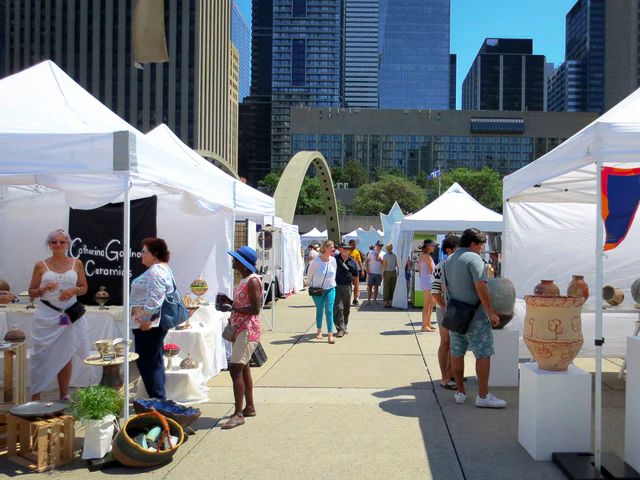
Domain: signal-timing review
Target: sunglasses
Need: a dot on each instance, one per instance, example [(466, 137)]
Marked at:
[(144, 250), (57, 242)]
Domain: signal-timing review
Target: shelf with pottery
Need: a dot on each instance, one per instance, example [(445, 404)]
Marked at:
[(110, 361)]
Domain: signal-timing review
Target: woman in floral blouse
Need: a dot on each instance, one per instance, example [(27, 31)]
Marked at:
[(149, 291), (245, 311)]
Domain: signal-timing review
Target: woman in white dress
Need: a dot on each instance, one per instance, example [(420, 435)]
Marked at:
[(58, 279)]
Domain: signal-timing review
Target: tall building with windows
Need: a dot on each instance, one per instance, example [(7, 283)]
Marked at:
[(453, 65), (565, 92), (241, 38), (360, 75), (91, 41), (414, 54), (306, 64), (505, 76)]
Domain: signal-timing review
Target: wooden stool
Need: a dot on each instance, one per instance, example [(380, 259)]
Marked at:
[(45, 444), (15, 365)]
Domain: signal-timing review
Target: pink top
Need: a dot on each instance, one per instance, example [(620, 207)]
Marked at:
[(242, 320)]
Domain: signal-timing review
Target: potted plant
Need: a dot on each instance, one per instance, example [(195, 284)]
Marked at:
[(97, 407)]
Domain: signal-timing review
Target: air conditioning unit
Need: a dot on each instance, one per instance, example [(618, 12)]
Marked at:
[(339, 185)]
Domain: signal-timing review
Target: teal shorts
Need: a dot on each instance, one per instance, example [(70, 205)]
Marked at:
[(478, 339)]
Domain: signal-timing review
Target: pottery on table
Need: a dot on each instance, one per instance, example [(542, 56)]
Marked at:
[(118, 346), (4, 286), (612, 295), (578, 287), (102, 346), (170, 350), (553, 330), (188, 363), (101, 297), (15, 335), (199, 287), (635, 292), (503, 299), (547, 288)]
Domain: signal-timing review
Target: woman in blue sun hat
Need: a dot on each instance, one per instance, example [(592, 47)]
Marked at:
[(245, 316)]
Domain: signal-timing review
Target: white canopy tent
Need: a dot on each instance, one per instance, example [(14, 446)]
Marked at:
[(62, 148), (313, 236), (553, 224), (352, 235), (454, 211)]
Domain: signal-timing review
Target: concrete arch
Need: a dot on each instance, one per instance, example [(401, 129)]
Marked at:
[(219, 162), (288, 190)]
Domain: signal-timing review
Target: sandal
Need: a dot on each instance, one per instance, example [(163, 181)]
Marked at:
[(319, 336), (449, 385), (245, 413), (332, 341), (429, 330), (231, 423)]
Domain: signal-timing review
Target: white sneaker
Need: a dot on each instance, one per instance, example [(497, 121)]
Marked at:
[(490, 402), (460, 397)]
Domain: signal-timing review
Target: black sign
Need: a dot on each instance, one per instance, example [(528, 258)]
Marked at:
[(108, 357), (97, 240)]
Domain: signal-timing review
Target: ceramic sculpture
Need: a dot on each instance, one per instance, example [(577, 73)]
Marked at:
[(635, 292), (503, 299), (612, 295), (546, 288), (553, 330), (578, 287)]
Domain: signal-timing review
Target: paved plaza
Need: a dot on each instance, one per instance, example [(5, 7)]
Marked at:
[(368, 407)]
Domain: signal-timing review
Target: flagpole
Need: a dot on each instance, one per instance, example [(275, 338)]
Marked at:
[(439, 184)]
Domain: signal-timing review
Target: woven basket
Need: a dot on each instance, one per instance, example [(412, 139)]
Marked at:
[(129, 453)]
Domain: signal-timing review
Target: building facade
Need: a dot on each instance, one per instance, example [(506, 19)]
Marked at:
[(419, 140), (361, 34), (234, 74), (565, 88), (91, 41), (306, 64), (414, 54), (453, 76), (241, 39), (505, 76)]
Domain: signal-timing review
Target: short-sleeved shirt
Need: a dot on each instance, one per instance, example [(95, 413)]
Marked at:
[(356, 255), (375, 266), (463, 268)]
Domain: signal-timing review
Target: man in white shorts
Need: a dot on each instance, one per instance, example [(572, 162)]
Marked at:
[(374, 269)]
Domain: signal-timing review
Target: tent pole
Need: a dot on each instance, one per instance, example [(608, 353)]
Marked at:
[(598, 333), (125, 290), (273, 273)]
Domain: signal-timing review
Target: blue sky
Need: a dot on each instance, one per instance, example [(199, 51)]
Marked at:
[(474, 20)]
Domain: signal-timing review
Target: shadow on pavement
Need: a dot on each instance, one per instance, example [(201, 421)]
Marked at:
[(398, 332)]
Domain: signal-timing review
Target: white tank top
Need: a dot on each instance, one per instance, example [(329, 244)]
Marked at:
[(68, 279)]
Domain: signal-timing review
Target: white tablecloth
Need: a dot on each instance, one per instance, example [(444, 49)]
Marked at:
[(182, 386)]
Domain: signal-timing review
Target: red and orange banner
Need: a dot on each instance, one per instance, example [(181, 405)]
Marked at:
[(620, 198)]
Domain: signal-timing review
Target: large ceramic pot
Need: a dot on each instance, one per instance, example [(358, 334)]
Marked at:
[(546, 287), (612, 295), (578, 287), (553, 330), (635, 291), (503, 299)]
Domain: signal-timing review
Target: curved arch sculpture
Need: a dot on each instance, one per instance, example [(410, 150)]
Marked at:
[(288, 190), (219, 162)]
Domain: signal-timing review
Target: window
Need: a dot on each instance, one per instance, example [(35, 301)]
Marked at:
[(298, 50), (299, 8)]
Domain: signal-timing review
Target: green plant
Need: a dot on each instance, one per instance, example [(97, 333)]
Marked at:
[(96, 402)]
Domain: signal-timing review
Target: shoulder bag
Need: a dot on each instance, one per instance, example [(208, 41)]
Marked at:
[(458, 314), (173, 311), (319, 291), (74, 312)]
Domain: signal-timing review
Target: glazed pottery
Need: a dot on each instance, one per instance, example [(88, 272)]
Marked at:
[(635, 291), (170, 350), (15, 335), (547, 288), (578, 287), (553, 330), (503, 299), (118, 346), (188, 363), (101, 297), (612, 295), (102, 346), (199, 287)]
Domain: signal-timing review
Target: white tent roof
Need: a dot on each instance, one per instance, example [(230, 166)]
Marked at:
[(315, 233), (353, 234), (248, 200), (455, 210), (567, 173)]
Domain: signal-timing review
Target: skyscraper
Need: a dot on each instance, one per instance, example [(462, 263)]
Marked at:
[(565, 92), (453, 75), (307, 53), (414, 54), (241, 38), (505, 76), (91, 41), (360, 73)]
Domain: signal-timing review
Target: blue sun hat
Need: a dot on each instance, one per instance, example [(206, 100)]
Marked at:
[(247, 256)]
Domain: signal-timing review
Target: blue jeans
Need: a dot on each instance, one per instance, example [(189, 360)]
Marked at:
[(149, 345), (325, 303)]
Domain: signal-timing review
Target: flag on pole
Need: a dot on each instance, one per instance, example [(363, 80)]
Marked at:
[(435, 174), (620, 197)]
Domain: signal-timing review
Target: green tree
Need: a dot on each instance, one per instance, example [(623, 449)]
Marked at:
[(484, 185), (378, 197), (353, 173), (269, 183), (422, 179)]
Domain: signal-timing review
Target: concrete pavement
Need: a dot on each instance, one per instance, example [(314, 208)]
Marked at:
[(367, 407)]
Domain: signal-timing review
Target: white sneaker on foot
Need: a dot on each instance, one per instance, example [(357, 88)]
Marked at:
[(460, 397), (490, 402)]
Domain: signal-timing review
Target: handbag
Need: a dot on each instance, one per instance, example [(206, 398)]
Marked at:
[(74, 312), (229, 333), (319, 291), (458, 314), (173, 311)]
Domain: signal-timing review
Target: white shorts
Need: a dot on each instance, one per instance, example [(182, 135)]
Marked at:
[(242, 348)]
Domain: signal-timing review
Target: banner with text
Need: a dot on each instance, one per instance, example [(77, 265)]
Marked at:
[(97, 240)]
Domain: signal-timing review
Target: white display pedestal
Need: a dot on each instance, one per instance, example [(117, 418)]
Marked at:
[(555, 411), (632, 407), (504, 364)]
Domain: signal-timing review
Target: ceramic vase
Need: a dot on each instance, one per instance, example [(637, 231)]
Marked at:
[(612, 295), (553, 330), (503, 299), (547, 288), (635, 292), (578, 287)]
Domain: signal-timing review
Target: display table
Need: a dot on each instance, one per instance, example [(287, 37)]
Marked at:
[(555, 411), (182, 385), (111, 376), (504, 364)]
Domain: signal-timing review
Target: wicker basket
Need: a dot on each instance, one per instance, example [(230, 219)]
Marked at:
[(129, 453)]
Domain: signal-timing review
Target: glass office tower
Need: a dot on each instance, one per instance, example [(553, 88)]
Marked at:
[(306, 62), (241, 39), (414, 54)]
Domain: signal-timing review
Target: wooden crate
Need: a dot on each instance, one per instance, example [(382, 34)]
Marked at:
[(47, 443)]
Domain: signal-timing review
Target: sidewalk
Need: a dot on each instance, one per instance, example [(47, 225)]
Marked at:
[(367, 407)]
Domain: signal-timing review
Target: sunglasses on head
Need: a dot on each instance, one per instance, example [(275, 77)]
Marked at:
[(57, 242)]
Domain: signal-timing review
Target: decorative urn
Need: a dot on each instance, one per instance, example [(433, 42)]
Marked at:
[(101, 297), (578, 287), (171, 350), (188, 363), (15, 335), (503, 299), (199, 287), (546, 288)]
